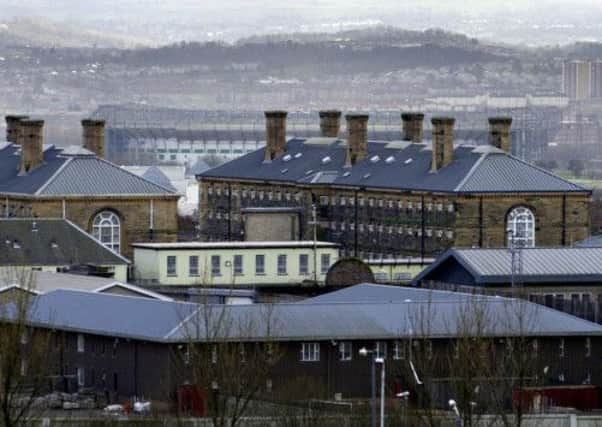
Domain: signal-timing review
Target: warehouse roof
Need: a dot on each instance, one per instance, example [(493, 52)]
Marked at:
[(68, 172), (395, 165), (40, 241), (164, 321), (539, 265)]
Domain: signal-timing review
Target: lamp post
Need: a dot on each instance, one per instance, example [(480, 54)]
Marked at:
[(374, 360)]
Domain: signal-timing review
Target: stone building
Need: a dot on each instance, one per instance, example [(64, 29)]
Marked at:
[(404, 198), (76, 183)]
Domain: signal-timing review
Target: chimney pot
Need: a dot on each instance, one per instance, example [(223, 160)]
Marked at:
[(13, 126), (412, 126), (357, 138), (94, 136), (499, 133), (330, 123), (443, 142), (31, 135), (275, 134)]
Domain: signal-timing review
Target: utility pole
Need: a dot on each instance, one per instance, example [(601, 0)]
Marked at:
[(516, 259), (314, 223)]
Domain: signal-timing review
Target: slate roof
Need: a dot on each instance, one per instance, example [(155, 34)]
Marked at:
[(71, 173), (51, 242), (539, 265), (172, 321), (395, 165), (156, 175)]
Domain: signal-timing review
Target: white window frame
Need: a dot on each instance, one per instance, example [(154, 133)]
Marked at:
[(345, 351), (81, 343), (216, 268), (310, 352), (520, 223), (282, 267), (193, 269), (172, 270), (398, 351), (238, 266), (380, 349), (259, 271), (303, 264), (324, 263), (107, 221)]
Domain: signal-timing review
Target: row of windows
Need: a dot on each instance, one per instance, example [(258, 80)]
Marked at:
[(310, 351), (371, 228), (238, 266), (383, 203), (253, 194)]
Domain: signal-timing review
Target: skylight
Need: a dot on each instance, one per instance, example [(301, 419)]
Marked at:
[(326, 159), (309, 172), (389, 159), (285, 170), (366, 176), (346, 174), (407, 162), (287, 158), (297, 155), (374, 159)]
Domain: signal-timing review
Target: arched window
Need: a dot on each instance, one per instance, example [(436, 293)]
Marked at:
[(107, 229), (521, 227)]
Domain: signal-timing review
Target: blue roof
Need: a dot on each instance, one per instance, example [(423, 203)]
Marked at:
[(64, 174), (172, 321), (395, 165)]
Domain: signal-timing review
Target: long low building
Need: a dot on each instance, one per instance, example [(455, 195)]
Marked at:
[(141, 347), (240, 264)]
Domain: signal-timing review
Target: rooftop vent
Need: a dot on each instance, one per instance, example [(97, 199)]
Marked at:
[(408, 161), (298, 155), (374, 159), (285, 170), (54, 245), (16, 245), (366, 176), (389, 159), (326, 159), (346, 174), (287, 158)]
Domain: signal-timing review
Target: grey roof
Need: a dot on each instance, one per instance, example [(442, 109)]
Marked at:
[(37, 241), (165, 321), (591, 242), (539, 265), (44, 281), (199, 167), (156, 175), (71, 173), (395, 165)]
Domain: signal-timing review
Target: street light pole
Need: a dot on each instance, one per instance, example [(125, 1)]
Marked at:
[(374, 360), (373, 402), (381, 360)]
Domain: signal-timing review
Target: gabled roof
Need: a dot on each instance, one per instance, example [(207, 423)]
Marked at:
[(39, 241), (67, 172), (41, 282), (539, 265), (177, 322), (395, 165), (156, 175)]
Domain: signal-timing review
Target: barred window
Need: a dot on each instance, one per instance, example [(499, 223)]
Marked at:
[(106, 228), (521, 227)]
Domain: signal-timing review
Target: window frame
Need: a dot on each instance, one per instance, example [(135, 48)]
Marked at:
[(324, 266), (303, 264), (107, 219), (81, 343), (172, 270), (238, 264), (520, 225), (310, 351), (193, 270), (281, 265), (345, 351), (260, 271), (216, 265)]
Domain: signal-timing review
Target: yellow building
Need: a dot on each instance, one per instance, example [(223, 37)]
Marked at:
[(244, 264), (401, 270)]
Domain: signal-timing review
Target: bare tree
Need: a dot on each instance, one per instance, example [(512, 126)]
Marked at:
[(26, 355)]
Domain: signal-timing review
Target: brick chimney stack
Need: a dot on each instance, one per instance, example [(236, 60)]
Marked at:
[(443, 142), (357, 138), (275, 127), (499, 133), (412, 126), (13, 126), (31, 137), (330, 123), (94, 136)]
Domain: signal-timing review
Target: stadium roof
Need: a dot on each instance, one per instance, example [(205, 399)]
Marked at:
[(395, 165)]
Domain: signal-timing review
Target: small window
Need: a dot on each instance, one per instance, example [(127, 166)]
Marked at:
[(214, 354), (303, 264), (381, 349), (588, 347), (324, 263), (398, 351), (171, 265), (81, 377), (81, 343), (216, 264), (561, 348), (238, 265), (282, 264), (345, 351), (520, 224), (259, 264), (193, 265), (310, 352)]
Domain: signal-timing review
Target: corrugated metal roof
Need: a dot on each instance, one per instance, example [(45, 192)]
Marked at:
[(156, 175), (26, 241), (65, 173), (474, 169), (546, 265), (163, 321)]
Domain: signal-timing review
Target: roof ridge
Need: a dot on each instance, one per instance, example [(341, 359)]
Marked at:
[(53, 176), (471, 172), (547, 172), (85, 233)]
